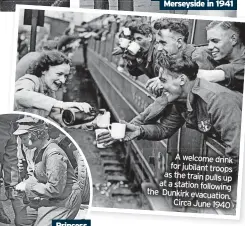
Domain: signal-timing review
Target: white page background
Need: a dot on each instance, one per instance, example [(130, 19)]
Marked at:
[(102, 218)]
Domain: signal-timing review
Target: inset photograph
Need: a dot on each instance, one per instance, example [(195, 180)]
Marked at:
[(9, 5), (44, 174)]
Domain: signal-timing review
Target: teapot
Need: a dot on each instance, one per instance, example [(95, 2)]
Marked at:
[(103, 118)]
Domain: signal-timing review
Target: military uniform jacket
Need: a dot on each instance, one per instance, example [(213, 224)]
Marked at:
[(234, 73), (210, 109), (54, 177), (149, 64)]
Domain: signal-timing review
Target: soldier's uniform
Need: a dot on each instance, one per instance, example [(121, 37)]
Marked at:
[(152, 113), (234, 73), (53, 191), (211, 109)]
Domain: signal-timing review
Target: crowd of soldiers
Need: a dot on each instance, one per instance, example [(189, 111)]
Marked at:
[(197, 86)]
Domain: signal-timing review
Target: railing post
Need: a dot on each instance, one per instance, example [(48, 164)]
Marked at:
[(33, 30)]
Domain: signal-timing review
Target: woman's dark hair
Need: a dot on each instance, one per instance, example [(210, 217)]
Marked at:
[(50, 45), (47, 59), (179, 64)]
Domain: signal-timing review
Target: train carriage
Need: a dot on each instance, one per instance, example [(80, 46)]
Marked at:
[(126, 97)]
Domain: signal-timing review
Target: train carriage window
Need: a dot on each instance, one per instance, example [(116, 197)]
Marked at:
[(200, 34)]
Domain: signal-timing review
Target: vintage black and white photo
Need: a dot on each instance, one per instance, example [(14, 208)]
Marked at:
[(153, 100)]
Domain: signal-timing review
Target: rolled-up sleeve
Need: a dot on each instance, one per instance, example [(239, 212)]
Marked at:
[(140, 119), (56, 171), (27, 95), (170, 122)]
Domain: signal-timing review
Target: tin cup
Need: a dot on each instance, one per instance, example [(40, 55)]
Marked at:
[(103, 119), (124, 42), (126, 31), (133, 48)]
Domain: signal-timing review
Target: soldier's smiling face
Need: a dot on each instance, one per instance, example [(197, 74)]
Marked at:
[(220, 43), (171, 84), (169, 41)]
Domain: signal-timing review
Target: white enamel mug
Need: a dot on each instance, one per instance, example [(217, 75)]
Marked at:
[(117, 130)]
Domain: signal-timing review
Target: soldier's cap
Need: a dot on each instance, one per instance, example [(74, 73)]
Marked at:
[(27, 120), (28, 124), (22, 129)]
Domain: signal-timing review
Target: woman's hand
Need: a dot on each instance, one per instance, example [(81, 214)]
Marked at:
[(82, 106), (21, 186)]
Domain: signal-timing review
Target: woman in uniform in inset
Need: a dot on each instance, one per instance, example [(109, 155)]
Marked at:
[(52, 192)]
